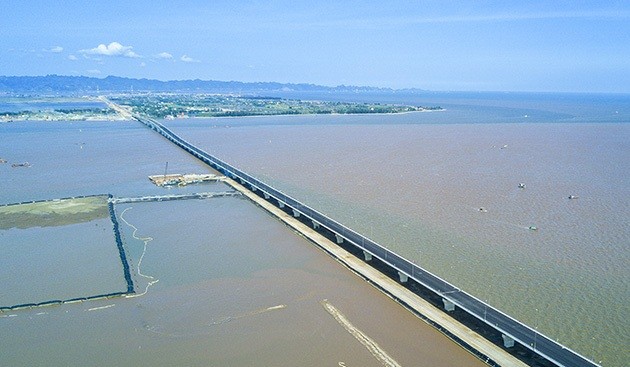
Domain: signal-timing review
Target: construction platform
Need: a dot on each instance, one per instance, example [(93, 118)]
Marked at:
[(177, 179)]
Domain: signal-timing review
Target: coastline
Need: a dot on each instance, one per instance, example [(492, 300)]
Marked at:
[(512, 146), (515, 146), (117, 117)]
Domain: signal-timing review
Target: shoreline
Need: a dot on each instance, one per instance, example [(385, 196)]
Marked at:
[(122, 118)]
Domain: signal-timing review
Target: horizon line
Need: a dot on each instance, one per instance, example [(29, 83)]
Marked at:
[(391, 89)]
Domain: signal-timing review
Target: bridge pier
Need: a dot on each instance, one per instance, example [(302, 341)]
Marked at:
[(254, 188), (266, 195), (403, 277), (367, 256), (556, 351), (315, 225), (448, 305), (508, 342)]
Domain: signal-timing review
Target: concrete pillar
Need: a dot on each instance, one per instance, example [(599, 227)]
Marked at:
[(280, 204), (242, 181), (315, 225), (403, 277), (367, 255), (296, 213), (254, 188), (448, 305), (508, 342), (266, 195), (338, 238)]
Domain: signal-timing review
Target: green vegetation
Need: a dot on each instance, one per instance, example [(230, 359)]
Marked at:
[(61, 114), (204, 105), (175, 105)]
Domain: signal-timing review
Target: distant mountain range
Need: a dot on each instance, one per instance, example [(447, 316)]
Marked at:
[(72, 85)]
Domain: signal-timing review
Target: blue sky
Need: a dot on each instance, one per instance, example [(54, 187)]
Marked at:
[(571, 46)]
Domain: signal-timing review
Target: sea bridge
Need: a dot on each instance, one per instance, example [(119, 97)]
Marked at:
[(511, 330)]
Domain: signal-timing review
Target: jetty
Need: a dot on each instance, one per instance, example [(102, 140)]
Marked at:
[(177, 179), (200, 195)]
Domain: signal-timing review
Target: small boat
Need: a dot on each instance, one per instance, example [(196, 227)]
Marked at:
[(573, 197), (521, 186), (25, 164)]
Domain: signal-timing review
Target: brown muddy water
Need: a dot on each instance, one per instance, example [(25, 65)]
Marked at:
[(219, 282), (447, 196)]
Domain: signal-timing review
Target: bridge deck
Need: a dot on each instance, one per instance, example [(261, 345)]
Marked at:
[(523, 334)]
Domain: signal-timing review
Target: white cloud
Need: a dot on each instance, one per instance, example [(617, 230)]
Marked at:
[(164, 55), (186, 58), (72, 57), (143, 64), (56, 49), (94, 71), (113, 49)]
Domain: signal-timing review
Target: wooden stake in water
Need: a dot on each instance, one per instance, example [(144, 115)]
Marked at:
[(165, 169)]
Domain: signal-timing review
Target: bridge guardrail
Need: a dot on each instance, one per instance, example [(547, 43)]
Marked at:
[(491, 316)]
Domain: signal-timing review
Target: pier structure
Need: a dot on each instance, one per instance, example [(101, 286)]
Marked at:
[(177, 179), (455, 301), (200, 195)]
